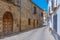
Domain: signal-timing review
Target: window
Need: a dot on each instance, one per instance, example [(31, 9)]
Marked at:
[(52, 4), (49, 9), (41, 14), (19, 2), (34, 23), (37, 22), (8, 0), (29, 22), (35, 11)]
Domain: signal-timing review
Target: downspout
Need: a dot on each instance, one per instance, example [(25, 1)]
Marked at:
[(20, 14)]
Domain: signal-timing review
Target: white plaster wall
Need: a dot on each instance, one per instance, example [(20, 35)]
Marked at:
[(55, 3), (58, 20), (58, 2), (50, 5)]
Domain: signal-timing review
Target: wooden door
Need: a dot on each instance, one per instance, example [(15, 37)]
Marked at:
[(34, 23), (7, 23)]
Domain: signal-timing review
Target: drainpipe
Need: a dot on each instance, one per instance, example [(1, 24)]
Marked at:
[(20, 14)]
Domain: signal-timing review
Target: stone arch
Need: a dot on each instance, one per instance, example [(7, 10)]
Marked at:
[(7, 23)]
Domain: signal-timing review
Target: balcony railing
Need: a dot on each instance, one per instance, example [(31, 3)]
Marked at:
[(54, 8)]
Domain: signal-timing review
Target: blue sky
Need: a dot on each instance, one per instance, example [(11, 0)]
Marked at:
[(42, 4)]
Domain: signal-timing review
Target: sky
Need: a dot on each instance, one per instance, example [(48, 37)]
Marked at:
[(42, 4)]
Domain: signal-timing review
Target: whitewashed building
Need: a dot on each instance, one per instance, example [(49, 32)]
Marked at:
[(56, 17), (52, 6), (54, 20)]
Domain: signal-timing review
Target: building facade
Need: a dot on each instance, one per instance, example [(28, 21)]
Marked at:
[(19, 15), (55, 17), (52, 6), (45, 17)]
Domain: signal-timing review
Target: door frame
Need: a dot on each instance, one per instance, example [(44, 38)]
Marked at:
[(3, 20)]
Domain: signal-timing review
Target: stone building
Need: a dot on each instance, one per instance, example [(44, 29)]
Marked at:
[(19, 15), (45, 15)]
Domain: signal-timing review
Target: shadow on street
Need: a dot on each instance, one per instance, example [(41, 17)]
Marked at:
[(13, 34)]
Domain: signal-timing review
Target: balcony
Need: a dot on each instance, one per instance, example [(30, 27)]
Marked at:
[(54, 8)]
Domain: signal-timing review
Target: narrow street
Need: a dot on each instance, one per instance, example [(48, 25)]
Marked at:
[(36, 34)]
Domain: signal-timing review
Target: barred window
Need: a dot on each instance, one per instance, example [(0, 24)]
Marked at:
[(41, 14), (29, 21), (37, 22), (35, 11)]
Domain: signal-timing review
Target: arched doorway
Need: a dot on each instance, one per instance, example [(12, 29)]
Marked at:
[(7, 23)]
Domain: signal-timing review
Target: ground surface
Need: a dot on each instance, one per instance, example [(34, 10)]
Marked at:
[(36, 34)]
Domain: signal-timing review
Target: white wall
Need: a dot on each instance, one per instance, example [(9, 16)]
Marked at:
[(58, 20), (55, 3), (58, 2), (50, 5)]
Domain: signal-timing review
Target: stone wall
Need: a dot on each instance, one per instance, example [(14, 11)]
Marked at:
[(5, 7), (21, 15)]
